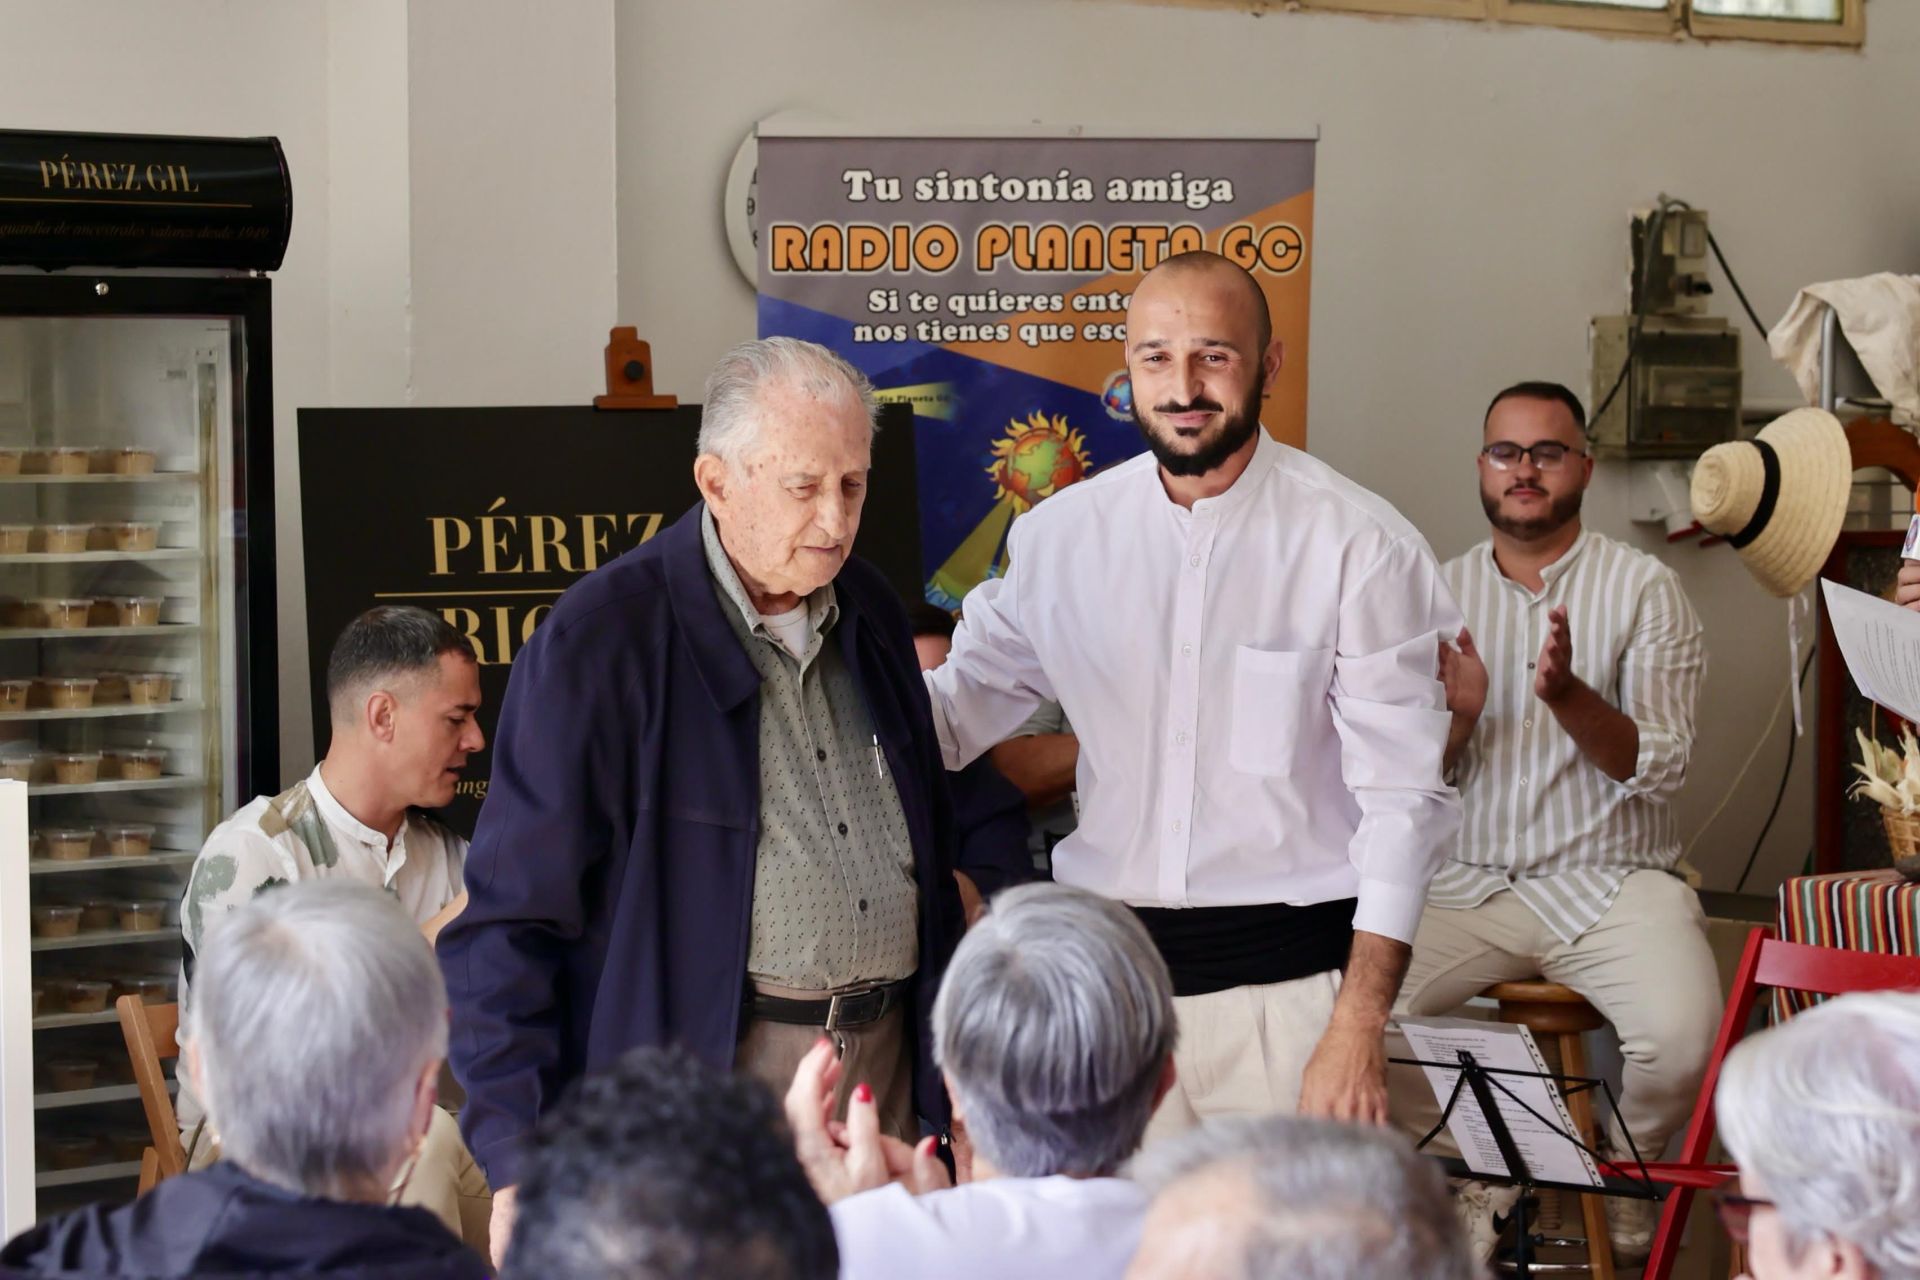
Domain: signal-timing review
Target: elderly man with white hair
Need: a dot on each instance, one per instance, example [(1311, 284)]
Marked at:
[(315, 1036), (1286, 1198), (718, 815), (1055, 1028), (1822, 1114)]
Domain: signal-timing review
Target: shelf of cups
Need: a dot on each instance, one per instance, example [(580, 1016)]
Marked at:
[(101, 713), (152, 477), (55, 1021), (106, 938), (167, 782), (90, 1097), (125, 862), (100, 557), (92, 1173), (96, 633)]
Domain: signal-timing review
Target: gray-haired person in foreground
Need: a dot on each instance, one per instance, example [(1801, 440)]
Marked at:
[(1822, 1114), (315, 1037), (1287, 1198), (1055, 1031)]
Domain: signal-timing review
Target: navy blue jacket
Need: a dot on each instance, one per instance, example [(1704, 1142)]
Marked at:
[(610, 879), (224, 1224)]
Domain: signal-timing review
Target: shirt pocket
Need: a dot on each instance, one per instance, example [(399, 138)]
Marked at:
[(1278, 697)]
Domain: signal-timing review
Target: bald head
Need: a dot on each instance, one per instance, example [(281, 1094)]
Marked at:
[(1204, 269)]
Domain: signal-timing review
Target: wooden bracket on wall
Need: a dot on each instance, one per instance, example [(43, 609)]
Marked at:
[(630, 374)]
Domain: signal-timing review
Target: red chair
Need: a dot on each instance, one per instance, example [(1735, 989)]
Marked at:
[(1767, 962)]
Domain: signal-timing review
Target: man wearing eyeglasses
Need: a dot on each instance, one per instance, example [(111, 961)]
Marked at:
[(1572, 694)]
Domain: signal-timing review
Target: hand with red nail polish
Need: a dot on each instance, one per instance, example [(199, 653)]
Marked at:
[(846, 1158)]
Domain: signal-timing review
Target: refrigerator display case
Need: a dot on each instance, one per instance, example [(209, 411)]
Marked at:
[(137, 668)]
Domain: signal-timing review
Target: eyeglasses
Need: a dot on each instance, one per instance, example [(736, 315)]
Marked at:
[(1736, 1213), (1548, 455)]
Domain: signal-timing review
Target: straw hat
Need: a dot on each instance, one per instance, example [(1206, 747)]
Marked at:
[(1779, 498)]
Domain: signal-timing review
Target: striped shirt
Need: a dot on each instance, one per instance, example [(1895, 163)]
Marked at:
[(1540, 818)]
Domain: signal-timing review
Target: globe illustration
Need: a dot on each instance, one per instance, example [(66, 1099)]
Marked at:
[(1040, 463)]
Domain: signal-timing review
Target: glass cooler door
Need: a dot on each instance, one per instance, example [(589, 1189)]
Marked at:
[(123, 657)]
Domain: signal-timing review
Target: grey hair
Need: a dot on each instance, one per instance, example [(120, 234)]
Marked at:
[(1825, 1110), (1053, 1025), (316, 1008), (1323, 1201), (730, 421)]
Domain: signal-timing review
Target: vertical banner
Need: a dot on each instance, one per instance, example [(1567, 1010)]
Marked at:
[(984, 282)]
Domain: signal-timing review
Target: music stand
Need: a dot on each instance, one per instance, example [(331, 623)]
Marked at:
[(1485, 1085)]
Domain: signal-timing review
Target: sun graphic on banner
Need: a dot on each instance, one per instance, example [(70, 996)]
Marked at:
[(1032, 460), (1036, 459)]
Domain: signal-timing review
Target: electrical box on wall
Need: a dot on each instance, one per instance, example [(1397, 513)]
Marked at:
[(1681, 395), (1666, 376)]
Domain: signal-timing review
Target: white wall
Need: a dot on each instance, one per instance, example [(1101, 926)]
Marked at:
[(1471, 211)]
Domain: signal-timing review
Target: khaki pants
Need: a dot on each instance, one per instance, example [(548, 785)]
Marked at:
[(1242, 1051), (445, 1181), (1644, 965), (880, 1054)]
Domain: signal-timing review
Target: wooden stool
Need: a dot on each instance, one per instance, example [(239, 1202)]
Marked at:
[(1559, 1016)]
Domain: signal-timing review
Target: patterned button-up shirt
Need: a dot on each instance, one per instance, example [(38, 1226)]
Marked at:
[(834, 897), (1539, 817)]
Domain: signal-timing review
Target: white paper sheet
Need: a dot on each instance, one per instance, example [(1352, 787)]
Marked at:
[(1881, 643), (1549, 1155)]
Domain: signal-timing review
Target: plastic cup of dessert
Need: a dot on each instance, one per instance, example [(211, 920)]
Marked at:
[(69, 693), (55, 921), (69, 461), (100, 913), (73, 613), (136, 535), (75, 1152), (137, 611), (67, 844), (64, 539), (87, 996), (25, 767), (12, 461), (150, 686), (15, 694), (74, 768), (128, 839), (129, 1145), (134, 461), (150, 989), (15, 539), (138, 764), (111, 689), (142, 915), (64, 1075)]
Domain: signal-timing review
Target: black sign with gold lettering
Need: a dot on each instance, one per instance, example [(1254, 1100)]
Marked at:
[(132, 200), (486, 515)]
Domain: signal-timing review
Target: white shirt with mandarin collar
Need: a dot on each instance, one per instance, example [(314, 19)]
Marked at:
[(1253, 682)]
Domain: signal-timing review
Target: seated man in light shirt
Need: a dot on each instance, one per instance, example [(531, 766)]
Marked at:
[(1054, 1028), (1573, 700), (403, 688), (1246, 643)]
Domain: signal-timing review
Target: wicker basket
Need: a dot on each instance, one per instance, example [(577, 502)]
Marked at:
[(1903, 838)]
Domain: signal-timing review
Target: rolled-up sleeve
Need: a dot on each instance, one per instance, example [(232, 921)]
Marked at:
[(1389, 708), (1660, 675)]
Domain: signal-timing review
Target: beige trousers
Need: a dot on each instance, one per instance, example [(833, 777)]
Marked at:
[(880, 1054), (1644, 965), (1242, 1051)]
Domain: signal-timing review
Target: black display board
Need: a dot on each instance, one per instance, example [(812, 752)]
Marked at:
[(487, 515)]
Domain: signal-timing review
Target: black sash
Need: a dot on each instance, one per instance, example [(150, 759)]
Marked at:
[(1213, 948)]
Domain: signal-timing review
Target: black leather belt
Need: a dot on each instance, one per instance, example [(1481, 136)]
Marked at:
[(856, 1008)]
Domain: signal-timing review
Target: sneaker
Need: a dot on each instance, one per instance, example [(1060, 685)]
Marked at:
[(1483, 1210), (1630, 1225)]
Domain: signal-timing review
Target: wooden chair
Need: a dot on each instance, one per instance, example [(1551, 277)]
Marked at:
[(1562, 1015), (152, 1033), (1766, 962)]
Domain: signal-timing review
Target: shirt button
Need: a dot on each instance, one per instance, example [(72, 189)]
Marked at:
[(863, 904), (1526, 724), (821, 753), (1523, 782), (1194, 561), (1529, 666), (843, 826), (1177, 824), (1181, 737), (1186, 650)]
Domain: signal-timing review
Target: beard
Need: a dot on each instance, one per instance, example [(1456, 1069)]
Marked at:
[(1230, 436), (1559, 511)]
